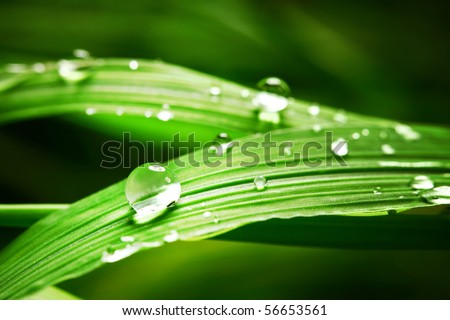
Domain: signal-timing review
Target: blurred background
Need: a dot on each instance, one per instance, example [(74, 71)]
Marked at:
[(374, 57)]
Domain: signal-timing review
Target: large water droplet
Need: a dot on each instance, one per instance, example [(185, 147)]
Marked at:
[(245, 93), (274, 85), (316, 128), (81, 54), (215, 91), (74, 71), (260, 183), (387, 149), (339, 147), (438, 195), (422, 183), (314, 110), (207, 214), (149, 191), (356, 135), (340, 116), (133, 65)]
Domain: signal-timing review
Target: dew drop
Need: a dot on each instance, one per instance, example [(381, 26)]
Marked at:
[(150, 193), (207, 214), (317, 128), (383, 134), (172, 236), (387, 149), (39, 67), (81, 54), (407, 132), (148, 113), (133, 64), (90, 111), (314, 110), (274, 85), (422, 183), (224, 144), (165, 114), (120, 111), (365, 132), (17, 68), (340, 116), (438, 195), (215, 91), (287, 151), (127, 239), (74, 71), (245, 93), (356, 135), (260, 183), (340, 147), (377, 191)]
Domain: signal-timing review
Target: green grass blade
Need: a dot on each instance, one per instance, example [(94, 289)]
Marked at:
[(72, 242)]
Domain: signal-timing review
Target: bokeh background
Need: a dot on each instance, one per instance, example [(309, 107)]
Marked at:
[(387, 59)]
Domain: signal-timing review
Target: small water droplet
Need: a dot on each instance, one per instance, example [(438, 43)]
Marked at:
[(120, 111), (401, 197), (81, 54), (407, 132), (365, 132), (317, 128), (438, 195), (203, 204), (165, 114), (340, 147), (207, 214), (287, 151), (215, 90), (314, 110), (133, 65), (422, 183), (39, 67), (149, 192), (74, 71), (383, 134), (90, 111), (377, 191), (17, 68), (340, 116), (356, 135), (127, 239), (113, 255), (387, 149), (260, 183), (224, 144), (245, 93), (148, 113), (172, 236)]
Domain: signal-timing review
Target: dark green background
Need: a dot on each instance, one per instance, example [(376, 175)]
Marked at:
[(374, 57)]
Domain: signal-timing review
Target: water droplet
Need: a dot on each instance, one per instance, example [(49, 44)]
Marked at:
[(215, 91), (90, 111), (172, 236), (149, 192), (401, 197), (165, 114), (377, 191), (387, 149), (317, 128), (260, 183), (287, 151), (148, 113), (340, 116), (224, 144), (207, 214), (269, 102), (383, 134), (203, 204), (127, 239), (340, 147), (17, 68), (133, 64), (81, 54), (356, 135), (39, 67), (422, 183), (314, 110), (120, 111), (407, 132), (74, 71), (438, 195), (110, 255), (274, 85), (245, 93), (365, 132)]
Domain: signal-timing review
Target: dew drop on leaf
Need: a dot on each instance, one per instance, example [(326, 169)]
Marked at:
[(317, 128), (81, 54), (365, 132), (165, 114), (215, 91), (90, 111), (74, 71), (271, 99), (149, 191), (133, 65), (314, 110), (274, 85), (377, 191), (438, 195), (339, 147), (172, 236), (356, 135), (260, 183), (387, 149), (422, 183), (223, 144), (340, 116)]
